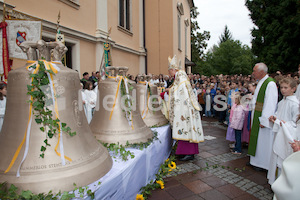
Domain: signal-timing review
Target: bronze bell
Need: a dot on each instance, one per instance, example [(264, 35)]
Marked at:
[(112, 124), (86, 160), (149, 104)]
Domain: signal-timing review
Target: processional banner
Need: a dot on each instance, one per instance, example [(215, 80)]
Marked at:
[(19, 31), (107, 60)]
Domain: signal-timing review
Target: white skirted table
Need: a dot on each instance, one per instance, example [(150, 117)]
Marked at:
[(125, 179)]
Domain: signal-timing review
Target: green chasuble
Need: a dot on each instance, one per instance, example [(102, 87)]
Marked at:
[(257, 113)]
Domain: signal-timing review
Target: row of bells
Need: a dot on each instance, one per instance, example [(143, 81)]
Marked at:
[(90, 160)]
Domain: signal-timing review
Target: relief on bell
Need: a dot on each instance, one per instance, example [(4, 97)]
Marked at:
[(86, 159)]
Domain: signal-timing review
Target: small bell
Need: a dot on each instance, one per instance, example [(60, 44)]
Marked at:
[(148, 101), (118, 120)]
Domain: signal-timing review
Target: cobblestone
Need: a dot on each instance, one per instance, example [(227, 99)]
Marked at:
[(212, 167)]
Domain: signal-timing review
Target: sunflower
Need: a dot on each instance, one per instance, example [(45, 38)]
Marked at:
[(161, 183), (167, 160), (172, 165), (139, 197)]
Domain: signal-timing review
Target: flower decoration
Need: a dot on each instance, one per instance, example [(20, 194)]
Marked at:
[(139, 197), (172, 165), (167, 160), (161, 183)]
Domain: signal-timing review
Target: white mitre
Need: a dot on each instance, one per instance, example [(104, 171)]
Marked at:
[(173, 63)]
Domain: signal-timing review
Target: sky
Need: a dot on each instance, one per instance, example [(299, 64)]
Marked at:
[(215, 14)]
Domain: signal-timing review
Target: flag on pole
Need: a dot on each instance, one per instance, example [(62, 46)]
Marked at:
[(107, 60)]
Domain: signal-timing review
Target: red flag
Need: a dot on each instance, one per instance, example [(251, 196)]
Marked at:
[(5, 54)]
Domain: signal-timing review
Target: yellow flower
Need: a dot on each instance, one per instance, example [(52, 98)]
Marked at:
[(167, 160), (161, 183), (172, 165), (139, 197)]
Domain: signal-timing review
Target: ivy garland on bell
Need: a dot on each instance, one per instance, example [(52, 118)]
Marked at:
[(43, 115), (128, 102), (120, 150)]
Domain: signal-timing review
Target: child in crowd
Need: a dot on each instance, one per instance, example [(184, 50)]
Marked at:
[(237, 116), (201, 101), (230, 134), (287, 113), (90, 98), (3, 91), (194, 89), (208, 101), (248, 107)]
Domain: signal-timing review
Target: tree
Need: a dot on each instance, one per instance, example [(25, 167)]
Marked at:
[(230, 57), (276, 37), (198, 40), (225, 36)]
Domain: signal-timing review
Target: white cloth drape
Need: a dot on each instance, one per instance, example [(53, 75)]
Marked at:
[(287, 186), (125, 179)]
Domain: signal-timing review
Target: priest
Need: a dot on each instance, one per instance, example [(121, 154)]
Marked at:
[(184, 113), (265, 100)]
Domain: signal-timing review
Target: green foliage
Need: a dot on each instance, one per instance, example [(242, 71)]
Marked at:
[(11, 193), (198, 39), (230, 57), (43, 115), (120, 150), (276, 34), (225, 36), (162, 172)]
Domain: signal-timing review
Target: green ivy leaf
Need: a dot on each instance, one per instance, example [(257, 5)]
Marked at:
[(29, 87), (72, 133), (27, 194), (35, 82), (38, 121), (43, 148), (42, 128), (45, 81)]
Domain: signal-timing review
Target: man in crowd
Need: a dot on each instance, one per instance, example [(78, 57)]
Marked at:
[(265, 99), (93, 79), (85, 78)]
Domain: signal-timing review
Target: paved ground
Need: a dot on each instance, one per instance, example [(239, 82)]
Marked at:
[(215, 174)]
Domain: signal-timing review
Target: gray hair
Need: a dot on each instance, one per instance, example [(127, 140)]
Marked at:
[(262, 67)]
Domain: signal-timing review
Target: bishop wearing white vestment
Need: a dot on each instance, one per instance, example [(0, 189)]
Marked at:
[(262, 136), (184, 114)]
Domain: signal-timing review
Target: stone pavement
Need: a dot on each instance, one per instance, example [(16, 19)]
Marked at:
[(215, 173)]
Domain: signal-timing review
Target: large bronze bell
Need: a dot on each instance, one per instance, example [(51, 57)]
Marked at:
[(86, 160), (112, 123), (148, 101)]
